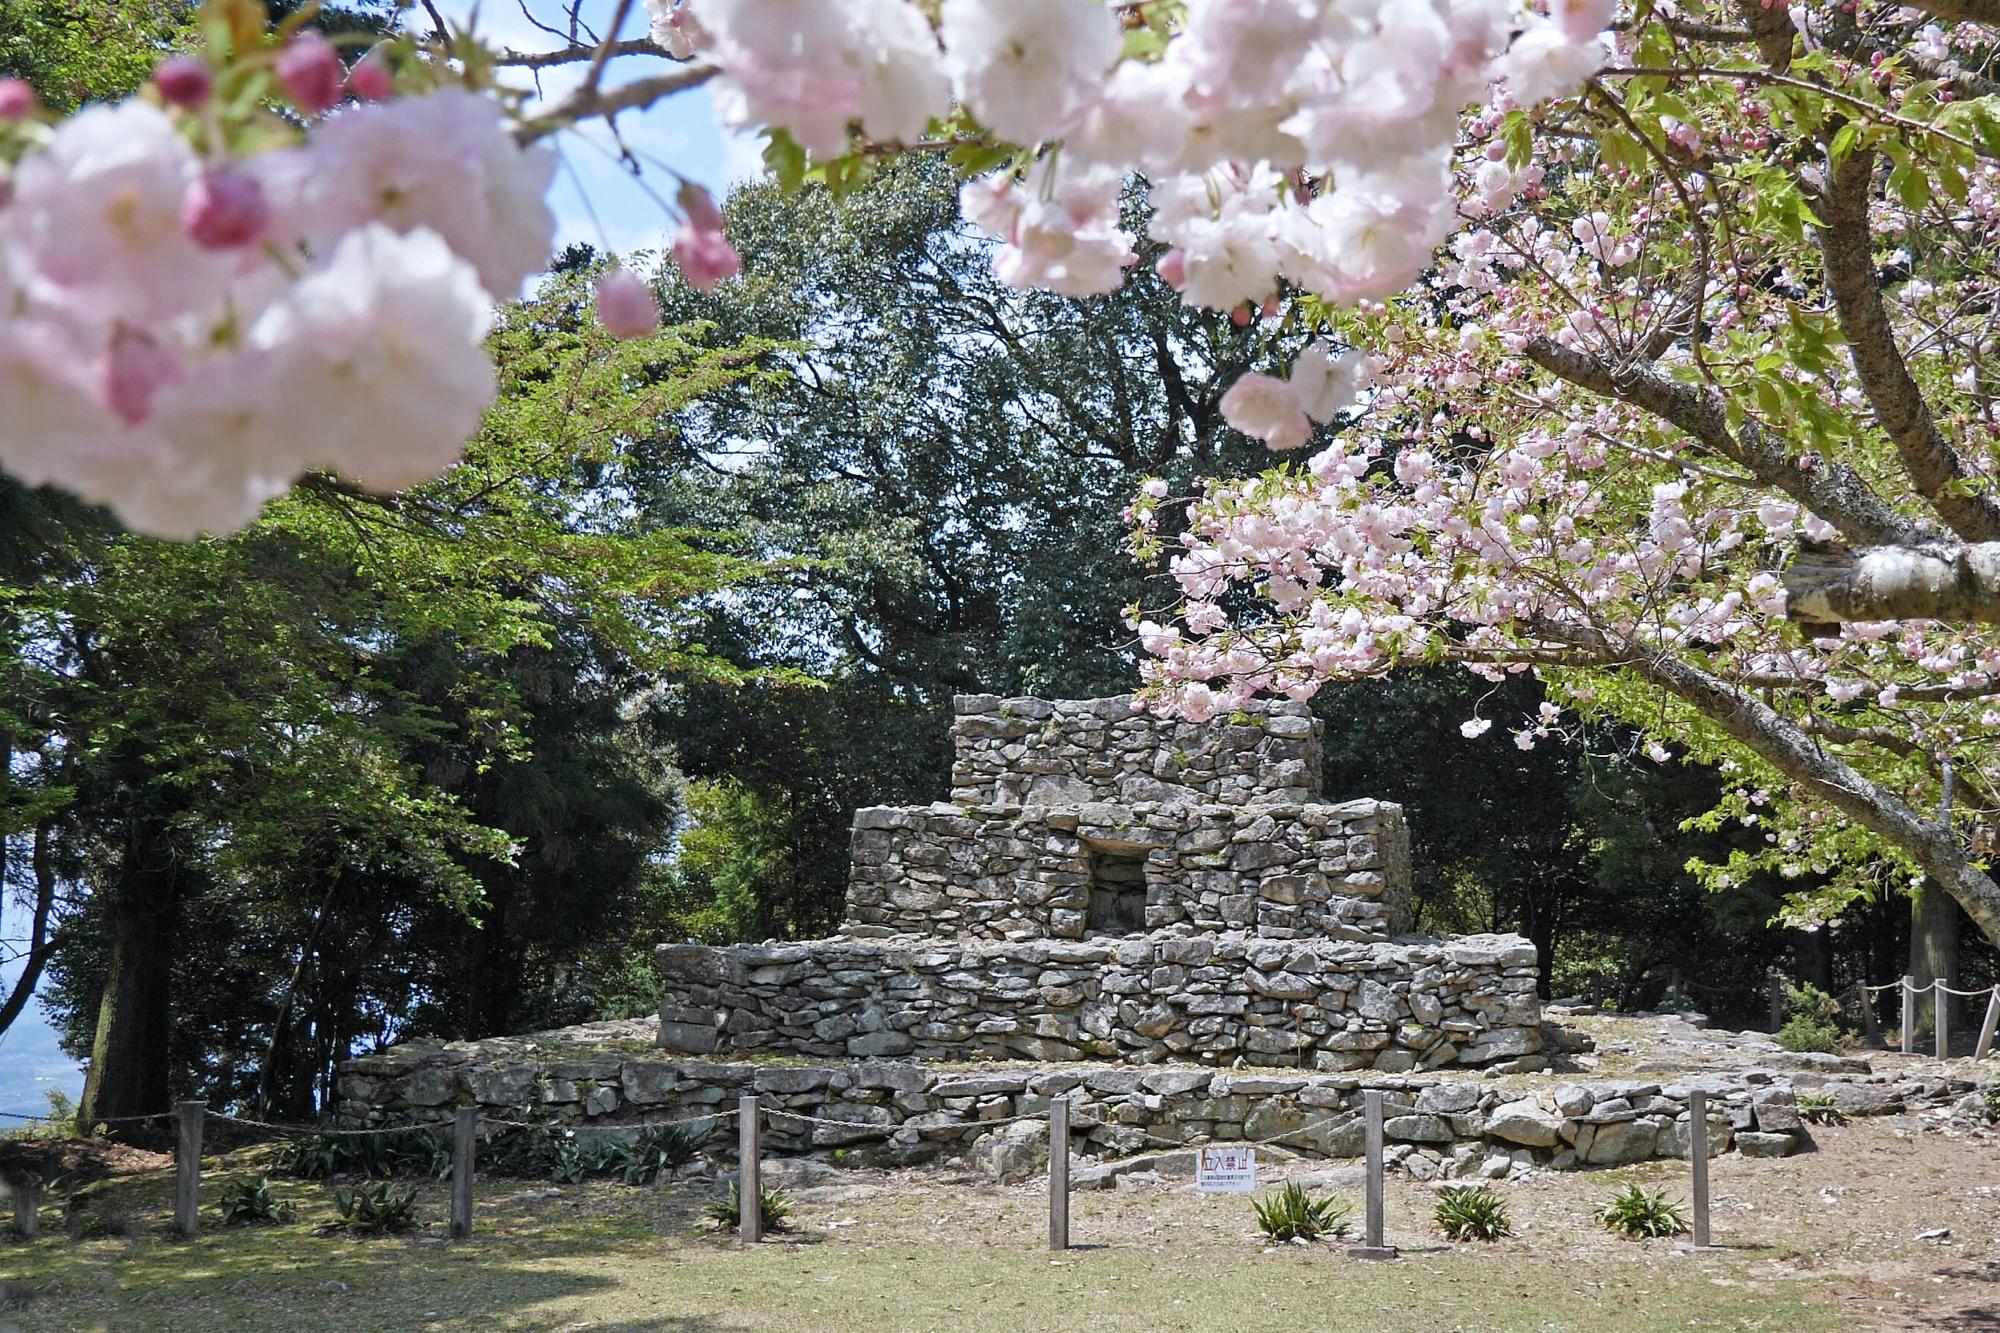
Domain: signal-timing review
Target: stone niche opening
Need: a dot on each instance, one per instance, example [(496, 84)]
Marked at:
[(1117, 892)]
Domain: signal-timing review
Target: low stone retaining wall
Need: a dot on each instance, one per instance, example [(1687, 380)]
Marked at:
[(1004, 872), (1208, 996), (897, 1112)]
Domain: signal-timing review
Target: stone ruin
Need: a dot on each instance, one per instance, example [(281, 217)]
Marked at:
[(1110, 902), (1108, 885)]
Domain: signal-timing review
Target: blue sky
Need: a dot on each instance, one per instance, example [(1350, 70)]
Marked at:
[(595, 198), (596, 201)]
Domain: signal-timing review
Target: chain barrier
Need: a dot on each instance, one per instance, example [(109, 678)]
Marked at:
[(1926, 990), (706, 1117), (1346, 1117), (94, 1120), (870, 1124)]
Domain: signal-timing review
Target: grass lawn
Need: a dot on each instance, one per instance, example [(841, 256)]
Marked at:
[(908, 1252)]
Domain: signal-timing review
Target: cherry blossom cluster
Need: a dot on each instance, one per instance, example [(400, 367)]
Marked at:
[(1471, 504), (1286, 141), (191, 323)]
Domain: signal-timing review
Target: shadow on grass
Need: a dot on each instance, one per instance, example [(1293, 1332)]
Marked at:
[(531, 1250)]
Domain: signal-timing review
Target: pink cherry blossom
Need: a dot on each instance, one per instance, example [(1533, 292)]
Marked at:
[(224, 208), (135, 369), (625, 304), (1027, 67), (706, 257), (1268, 408), (17, 99), (379, 353), (95, 223), (443, 161)]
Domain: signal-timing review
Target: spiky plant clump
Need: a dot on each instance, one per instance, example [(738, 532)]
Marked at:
[(1293, 1214), (377, 1208), (1819, 1108), (1642, 1214), (247, 1203), (1472, 1212), (773, 1206)]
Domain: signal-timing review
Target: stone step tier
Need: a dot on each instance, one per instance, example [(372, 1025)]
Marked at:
[(1215, 997), (1281, 869), (905, 1113)]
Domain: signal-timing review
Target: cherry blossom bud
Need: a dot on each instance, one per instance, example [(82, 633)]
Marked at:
[(17, 99), (310, 69), (699, 206), (1270, 310), (704, 254), (224, 208), (370, 80), (135, 369), (1172, 268), (626, 306), (1240, 317), (184, 82)]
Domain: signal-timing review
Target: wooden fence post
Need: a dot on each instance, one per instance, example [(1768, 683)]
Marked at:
[(1986, 1028), (27, 1208), (1698, 1159), (1059, 1173), (464, 1149), (1941, 1016), (1871, 1029), (749, 1176), (1909, 1014), (1372, 1245), (187, 1169)]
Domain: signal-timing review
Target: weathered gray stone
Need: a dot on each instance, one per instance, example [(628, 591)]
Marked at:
[(1752, 1143), (1618, 1143), (1525, 1123), (1013, 1152), (1417, 1129)]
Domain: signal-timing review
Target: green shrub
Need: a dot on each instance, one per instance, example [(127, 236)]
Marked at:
[(773, 1206), (1990, 1094), (1642, 1213), (1472, 1212), (1293, 1214), (1813, 1020), (377, 1208), (1819, 1108), (412, 1152), (246, 1203), (658, 1153)]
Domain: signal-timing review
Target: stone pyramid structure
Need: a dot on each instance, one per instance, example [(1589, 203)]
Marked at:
[(1105, 884)]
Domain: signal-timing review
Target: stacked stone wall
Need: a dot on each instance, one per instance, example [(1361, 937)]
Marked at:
[(903, 1113), (1068, 751), (1281, 870), (1209, 996)]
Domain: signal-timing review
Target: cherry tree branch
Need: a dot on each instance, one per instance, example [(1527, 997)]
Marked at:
[(1834, 491), (609, 102), (1927, 582), (1846, 249), (577, 53), (1961, 11), (1788, 748)]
